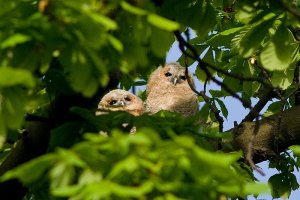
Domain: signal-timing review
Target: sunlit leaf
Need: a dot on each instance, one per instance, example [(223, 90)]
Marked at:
[(116, 43), (295, 149), (10, 77), (24, 171), (132, 9), (278, 55), (15, 39), (103, 20), (253, 38), (223, 108), (163, 23)]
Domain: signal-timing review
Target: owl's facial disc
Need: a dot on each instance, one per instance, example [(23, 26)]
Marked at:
[(116, 103), (120, 102)]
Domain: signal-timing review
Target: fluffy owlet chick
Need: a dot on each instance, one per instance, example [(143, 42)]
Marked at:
[(121, 100), (168, 89)]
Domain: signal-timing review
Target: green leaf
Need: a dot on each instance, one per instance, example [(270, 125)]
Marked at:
[(216, 93), (101, 19), (15, 39), (163, 23), (273, 108), (64, 135), (81, 73), (249, 188), (3, 130), (223, 108), (133, 9), (117, 44), (253, 38), (65, 191), (246, 13), (11, 77), (208, 20), (13, 107), (25, 171), (61, 175), (160, 41), (223, 38), (281, 185), (256, 188), (71, 158), (129, 164), (215, 159), (280, 52), (282, 79), (141, 190), (295, 149)]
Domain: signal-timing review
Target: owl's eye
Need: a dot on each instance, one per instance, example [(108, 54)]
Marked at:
[(168, 74), (113, 102), (127, 99), (183, 78)]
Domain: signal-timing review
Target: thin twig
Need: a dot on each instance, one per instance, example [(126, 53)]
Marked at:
[(196, 57), (291, 10), (203, 66), (207, 100), (253, 113), (249, 152), (296, 82), (205, 84)]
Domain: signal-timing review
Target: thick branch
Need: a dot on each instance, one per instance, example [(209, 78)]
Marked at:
[(259, 106), (32, 144), (274, 135)]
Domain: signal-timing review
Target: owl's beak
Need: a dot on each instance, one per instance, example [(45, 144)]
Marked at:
[(122, 103), (175, 81)]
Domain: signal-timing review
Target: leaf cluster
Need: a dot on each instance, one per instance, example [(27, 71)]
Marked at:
[(161, 161), (55, 53)]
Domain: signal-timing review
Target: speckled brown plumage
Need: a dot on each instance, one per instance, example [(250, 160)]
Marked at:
[(168, 89), (121, 100)]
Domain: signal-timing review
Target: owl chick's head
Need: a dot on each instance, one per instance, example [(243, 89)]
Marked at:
[(121, 100), (173, 73)]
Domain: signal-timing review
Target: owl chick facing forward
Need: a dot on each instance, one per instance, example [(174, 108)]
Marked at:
[(168, 89), (121, 100)]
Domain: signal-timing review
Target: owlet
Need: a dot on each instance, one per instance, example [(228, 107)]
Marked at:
[(121, 100), (168, 89)]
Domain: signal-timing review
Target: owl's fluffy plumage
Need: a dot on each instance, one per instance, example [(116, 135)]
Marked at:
[(168, 89), (121, 100)]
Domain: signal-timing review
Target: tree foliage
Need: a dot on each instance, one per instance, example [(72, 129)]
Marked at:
[(57, 58)]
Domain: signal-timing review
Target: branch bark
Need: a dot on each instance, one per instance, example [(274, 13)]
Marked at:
[(274, 135), (32, 144)]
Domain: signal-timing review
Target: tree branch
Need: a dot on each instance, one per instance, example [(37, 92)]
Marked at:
[(207, 100), (291, 10), (296, 82), (259, 106), (274, 135), (33, 143), (204, 66)]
